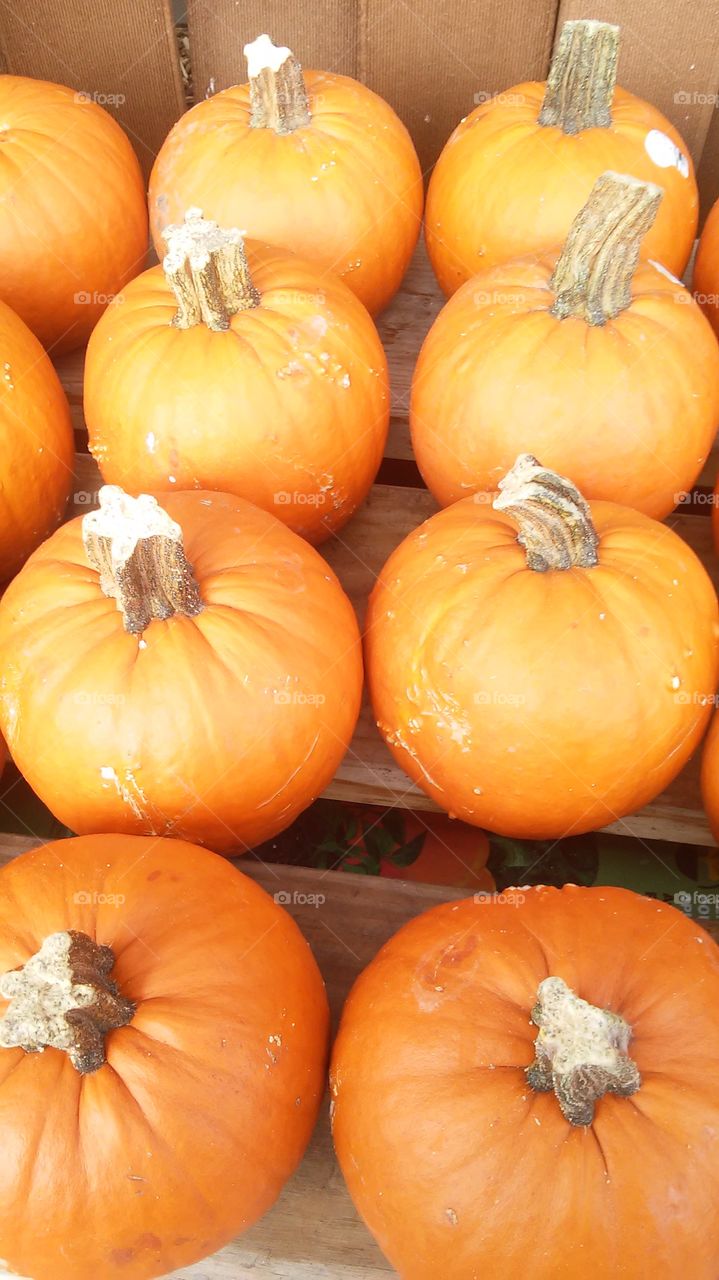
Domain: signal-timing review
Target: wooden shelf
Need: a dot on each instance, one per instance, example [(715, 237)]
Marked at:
[(313, 1231)]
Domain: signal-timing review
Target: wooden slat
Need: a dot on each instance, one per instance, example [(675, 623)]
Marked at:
[(431, 60), (368, 773), (124, 51), (313, 1232), (670, 56)]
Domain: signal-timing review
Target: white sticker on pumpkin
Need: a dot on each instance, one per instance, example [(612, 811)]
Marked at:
[(665, 153)]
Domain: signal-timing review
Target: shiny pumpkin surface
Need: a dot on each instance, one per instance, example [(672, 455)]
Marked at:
[(628, 409), (706, 269), (218, 728), (345, 190), (440, 1136), (208, 1097), (289, 408), (73, 218), (37, 451), (535, 704), (505, 185)]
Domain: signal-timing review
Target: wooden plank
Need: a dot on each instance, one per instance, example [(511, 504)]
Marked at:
[(123, 54), (670, 56), (368, 773), (313, 1232)]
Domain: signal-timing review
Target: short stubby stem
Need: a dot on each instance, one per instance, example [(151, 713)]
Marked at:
[(206, 268), (139, 554), (278, 96), (554, 520), (581, 1052), (64, 998), (582, 77), (594, 273)]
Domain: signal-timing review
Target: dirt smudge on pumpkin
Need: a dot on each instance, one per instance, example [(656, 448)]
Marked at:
[(143, 1244)]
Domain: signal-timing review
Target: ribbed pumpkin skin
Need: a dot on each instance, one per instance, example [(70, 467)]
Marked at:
[(540, 705), (505, 186), (37, 451), (189, 1131), (73, 217), (440, 1136), (289, 408), (628, 409), (345, 191), (706, 269), (219, 728)]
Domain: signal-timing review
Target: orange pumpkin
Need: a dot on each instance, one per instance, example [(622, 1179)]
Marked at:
[(557, 1050), (547, 683), (163, 1043), (606, 370), (73, 227), (37, 457), (193, 669), (518, 169), (706, 269), (267, 381), (311, 161)]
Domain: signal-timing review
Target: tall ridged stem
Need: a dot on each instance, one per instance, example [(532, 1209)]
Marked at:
[(582, 77), (554, 520), (206, 268), (139, 554), (593, 277), (278, 95)]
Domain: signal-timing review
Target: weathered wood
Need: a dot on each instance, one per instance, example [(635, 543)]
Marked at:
[(313, 1232)]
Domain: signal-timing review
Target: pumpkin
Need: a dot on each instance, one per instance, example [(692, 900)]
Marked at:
[(542, 667), (37, 453), (193, 668), (308, 160), (518, 168), (706, 269), (554, 1055), (248, 373), (605, 369), (163, 1040), (73, 221)]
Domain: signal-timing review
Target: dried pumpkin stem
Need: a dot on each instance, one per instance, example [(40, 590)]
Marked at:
[(206, 268), (581, 1052), (582, 77), (64, 998), (593, 277), (278, 96), (555, 523), (138, 552)]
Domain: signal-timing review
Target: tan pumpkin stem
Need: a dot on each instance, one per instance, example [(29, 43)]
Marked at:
[(206, 268), (278, 96), (555, 523), (137, 551), (581, 1052), (63, 998), (582, 77), (593, 277)]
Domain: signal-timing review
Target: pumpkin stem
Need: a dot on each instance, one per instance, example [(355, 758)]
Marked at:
[(278, 96), (581, 1052), (555, 523), (582, 77), (206, 268), (137, 551), (593, 277), (63, 998)]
